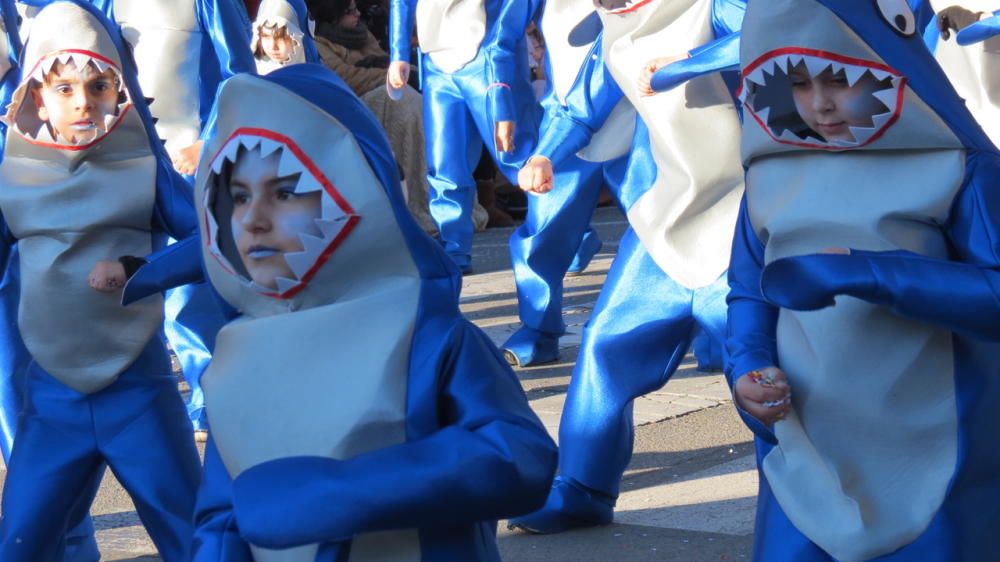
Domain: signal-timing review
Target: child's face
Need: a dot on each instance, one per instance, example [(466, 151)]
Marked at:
[(351, 17), (276, 43), (828, 104), (75, 103), (268, 216)]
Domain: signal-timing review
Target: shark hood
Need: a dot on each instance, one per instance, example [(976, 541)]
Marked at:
[(293, 16), (334, 147), (75, 37), (899, 98)]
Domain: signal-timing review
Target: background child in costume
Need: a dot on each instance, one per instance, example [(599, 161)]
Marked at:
[(282, 35), (305, 233), (893, 296), (556, 235), (475, 86), (680, 193), (99, 389)]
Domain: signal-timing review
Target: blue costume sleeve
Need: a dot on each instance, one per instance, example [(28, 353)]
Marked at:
[(588, 105), (962, 296), (493, 459), (719, 55), (501, 50), (216, 536), (225, 24), (980, 31), (401, 17), (752, 321), (174, 211)]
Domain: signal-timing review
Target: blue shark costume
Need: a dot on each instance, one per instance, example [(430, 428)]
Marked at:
[(99, 389), (474, 75), (888, 452), (681, 195), (293, 16), (416, 459), (556, 229), (184, 50)]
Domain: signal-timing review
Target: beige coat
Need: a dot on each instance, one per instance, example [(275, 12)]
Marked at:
[(341, 60)]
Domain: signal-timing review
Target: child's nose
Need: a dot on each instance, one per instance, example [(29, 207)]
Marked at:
[(83, 99), (822, 100), (257, 217)]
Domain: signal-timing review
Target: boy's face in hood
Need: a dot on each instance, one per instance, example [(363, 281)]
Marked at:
[(77, 104)]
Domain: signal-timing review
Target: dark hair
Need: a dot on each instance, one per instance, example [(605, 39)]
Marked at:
[(329, 11)]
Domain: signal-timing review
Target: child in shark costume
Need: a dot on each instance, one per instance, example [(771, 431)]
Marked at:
[(99, 389), (869, 186), (556, 236), (417, 458), (280, 20), (681, 195), (475, 86)]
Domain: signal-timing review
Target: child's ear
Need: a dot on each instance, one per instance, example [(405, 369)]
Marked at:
[(36, 95)]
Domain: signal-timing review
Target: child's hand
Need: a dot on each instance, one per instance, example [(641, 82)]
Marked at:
[(764, 394), (956, 18), (646, 76), (399, 73), (107, 276), (186, 161), (535, 177), (503, 134)]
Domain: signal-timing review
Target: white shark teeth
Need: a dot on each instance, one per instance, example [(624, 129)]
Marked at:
[(308, 184), (880, 74), (887, 97), (249, 142), (330, 228), (227, 154), (815, 65), (268, 146), (109, 120), (764, 114), (100, 65), (881, 119), (779, 62), (285, 285), (44, 134), (331, 211), (65, 58), (853, 73), (289, 165), (757, 76), (301, 262), (861, 134)]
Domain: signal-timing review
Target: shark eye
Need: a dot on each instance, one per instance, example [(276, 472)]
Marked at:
[(899, 15)]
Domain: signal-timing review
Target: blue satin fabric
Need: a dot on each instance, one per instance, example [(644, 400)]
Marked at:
[(474, 450), (980, 31), (137, 426), (149, 421), (462, 108), (597, 419), (456, 119), (543, 248), (13, 356)]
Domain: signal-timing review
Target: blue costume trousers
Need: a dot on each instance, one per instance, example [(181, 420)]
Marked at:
[(457, 120), (137, 426), (543, 248), (639, 333)]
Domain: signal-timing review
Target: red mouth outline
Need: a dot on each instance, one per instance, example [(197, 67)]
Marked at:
[(833, 57), (352, 217)]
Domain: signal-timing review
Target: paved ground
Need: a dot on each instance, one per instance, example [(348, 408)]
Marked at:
[(688, 494)]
